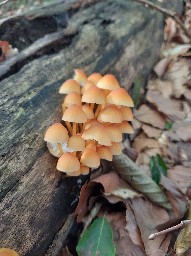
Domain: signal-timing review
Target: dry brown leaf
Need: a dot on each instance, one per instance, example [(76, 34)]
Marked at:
[(181, 176), (123, 243), (146, 115), (151, 132), (164, 87), (179, 73), (171, 108), (178, 199), (142, 142), (132, 228), (181, 130), (161, 67), (148, 216), (170, 29)]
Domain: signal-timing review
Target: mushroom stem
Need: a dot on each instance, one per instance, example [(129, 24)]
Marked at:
[(69, 126), (80, 127), (92, 105), (74, 129), (98, 110), (106, 92), (60, 148)]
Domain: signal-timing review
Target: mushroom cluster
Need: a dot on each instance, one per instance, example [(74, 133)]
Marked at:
[(96, 111)]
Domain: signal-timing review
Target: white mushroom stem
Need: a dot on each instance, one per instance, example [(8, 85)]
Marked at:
[(69, 126), (98, 110), (60, 148), (74, 128)]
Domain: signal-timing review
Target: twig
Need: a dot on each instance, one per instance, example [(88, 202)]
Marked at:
[(167, 12), (181, 224), (4, 2), (39, 44)]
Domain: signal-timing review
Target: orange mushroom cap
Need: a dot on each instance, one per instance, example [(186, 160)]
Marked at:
[(90, 158), (127, 113), (98, 133), (76, 143), (68, 162), (88, 111), (69, 86), (116, 148), (56, 133), (84, 169), (71, 99), (94, 95), (105, 153), (87, 86), (94, 78), (114, 132), (120, 97), (110, 114), (74, 113), (126, 127), (8, 252), (80, 76), (108, 82)]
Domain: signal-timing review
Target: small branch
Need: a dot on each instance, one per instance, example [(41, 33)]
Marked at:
[(167, 12), (165, 231), (4, 2)]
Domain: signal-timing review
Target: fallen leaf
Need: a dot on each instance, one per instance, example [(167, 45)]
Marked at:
[(179, 73), (183, 242), (171, 108), (164, 87), (148, 218), (151, 132), (124, 244), (142, 142), (161, 67), (181, 177), (97, 239), (170, 29), (146, 115), (176, 51)]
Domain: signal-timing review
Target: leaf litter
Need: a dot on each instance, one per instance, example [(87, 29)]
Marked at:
[(163, 127)]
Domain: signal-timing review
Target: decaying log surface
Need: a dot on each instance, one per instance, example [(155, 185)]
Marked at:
[(120, 37)]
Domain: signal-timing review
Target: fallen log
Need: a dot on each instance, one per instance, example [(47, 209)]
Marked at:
[(119, 37)]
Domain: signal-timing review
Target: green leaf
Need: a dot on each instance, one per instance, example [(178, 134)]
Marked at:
[(157, 166), (137, 90), (168, 125), (97, 240)]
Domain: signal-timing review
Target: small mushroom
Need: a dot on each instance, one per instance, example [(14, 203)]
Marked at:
[(80, 76), (94, 78), (98, 133), (69, 86), (108, 82), (68, 163), (71, 99), (8, 252), (116, 148), (105, 153), (56, 137), (120, 97), (90, 158), (110, 114), (74, 114)]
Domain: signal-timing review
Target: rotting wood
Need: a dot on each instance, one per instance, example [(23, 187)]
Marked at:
[(35, 199)]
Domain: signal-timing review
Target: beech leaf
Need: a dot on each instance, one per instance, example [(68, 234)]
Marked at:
[(97, 240), (139, 180)]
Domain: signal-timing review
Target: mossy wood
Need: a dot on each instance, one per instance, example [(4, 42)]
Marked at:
[(119, 37)]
